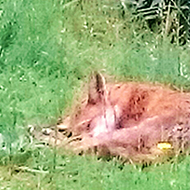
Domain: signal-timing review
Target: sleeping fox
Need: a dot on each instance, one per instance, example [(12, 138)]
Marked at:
[(133, 120)]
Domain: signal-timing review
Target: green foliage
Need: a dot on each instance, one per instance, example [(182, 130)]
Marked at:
[(36, 80), (121, 46), (47, 51)]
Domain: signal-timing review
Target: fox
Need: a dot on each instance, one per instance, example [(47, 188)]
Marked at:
[(134, 120)]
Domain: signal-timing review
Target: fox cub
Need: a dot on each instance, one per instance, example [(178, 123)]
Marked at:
[(133, 120)]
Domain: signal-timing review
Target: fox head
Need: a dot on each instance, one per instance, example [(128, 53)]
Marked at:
[(97, 116)]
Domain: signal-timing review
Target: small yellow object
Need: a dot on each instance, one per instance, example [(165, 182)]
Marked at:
[(164, 145)]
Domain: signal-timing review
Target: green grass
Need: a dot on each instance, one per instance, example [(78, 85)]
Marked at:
[(47, 51), (74, 172)]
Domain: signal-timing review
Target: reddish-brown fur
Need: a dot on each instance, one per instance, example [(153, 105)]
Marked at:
[(130, 119)]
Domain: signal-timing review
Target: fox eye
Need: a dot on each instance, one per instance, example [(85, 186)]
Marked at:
[(88, 127)]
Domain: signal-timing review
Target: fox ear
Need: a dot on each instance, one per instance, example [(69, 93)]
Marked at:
[(97, 88)]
